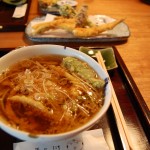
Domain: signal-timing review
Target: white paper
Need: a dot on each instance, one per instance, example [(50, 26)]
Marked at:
[(94, 140), (48, 18), (75, 143), (88, 140), (20, 11)]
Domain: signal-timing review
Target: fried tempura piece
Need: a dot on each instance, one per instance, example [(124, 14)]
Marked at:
[(82, 17), (95, 30), (14, 105), (42, 27), (67, 11), (67, 26), (63, 23)]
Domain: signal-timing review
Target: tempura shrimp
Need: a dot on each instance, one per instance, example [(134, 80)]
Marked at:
[(95, 30), (55, 24)]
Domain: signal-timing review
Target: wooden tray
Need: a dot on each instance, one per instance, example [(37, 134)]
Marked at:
[(7, 23), (133, 108)]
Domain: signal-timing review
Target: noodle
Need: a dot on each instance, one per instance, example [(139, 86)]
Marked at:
[(42, 89)]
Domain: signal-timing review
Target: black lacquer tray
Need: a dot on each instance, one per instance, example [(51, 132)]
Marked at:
[(133, 107), (7, 22)]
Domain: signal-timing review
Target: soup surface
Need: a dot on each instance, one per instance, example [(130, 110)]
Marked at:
[(50, 94)]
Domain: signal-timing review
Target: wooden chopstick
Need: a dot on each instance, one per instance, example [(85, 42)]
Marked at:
[(122, 127)]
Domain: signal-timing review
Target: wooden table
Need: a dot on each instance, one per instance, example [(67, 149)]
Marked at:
[(135, 53)]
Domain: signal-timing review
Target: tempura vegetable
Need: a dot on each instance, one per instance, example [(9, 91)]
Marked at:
[(67, 11), (82, 17), (83, 70)]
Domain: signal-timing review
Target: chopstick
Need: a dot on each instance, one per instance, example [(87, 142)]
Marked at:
[(122, 127)]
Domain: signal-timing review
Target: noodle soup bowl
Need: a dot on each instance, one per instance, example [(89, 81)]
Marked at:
[(37, 50)]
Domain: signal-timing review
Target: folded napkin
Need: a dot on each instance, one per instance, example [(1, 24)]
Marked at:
[(20, 11), (88, 140)]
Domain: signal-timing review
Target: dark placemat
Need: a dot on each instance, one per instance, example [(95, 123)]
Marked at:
[(132, 106), (7, 22)]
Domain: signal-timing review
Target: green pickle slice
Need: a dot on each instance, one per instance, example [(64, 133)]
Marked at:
[(107, 54)]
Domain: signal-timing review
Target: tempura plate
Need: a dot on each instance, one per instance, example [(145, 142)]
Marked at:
[(119, 33)]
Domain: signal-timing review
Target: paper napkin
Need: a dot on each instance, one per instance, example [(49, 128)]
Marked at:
[(88, 140), (20, 11)]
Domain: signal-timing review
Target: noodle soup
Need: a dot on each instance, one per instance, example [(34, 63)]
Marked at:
[(50, 94)]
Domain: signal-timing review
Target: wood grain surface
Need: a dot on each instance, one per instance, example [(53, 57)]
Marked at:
[(135, 52)]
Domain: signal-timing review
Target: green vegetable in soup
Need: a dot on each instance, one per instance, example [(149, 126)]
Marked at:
[(83, 70)]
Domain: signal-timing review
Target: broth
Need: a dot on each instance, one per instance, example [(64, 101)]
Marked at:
[(41, 95)]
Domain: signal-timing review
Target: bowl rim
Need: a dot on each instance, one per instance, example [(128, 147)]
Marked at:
[(23, 135)]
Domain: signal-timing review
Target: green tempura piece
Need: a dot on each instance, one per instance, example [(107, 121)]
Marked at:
[(83, 70), (67, 11)]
